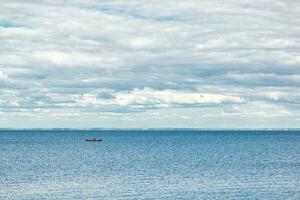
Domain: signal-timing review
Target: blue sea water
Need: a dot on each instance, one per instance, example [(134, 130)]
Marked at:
[(150, 165)]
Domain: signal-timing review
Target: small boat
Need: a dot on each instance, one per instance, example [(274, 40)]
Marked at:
[(93, 140)]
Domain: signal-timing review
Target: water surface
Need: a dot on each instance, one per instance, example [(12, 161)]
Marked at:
[(150, 165)]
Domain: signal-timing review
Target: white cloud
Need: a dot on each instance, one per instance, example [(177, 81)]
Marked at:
[(90, 56), (3, 76), (259, 109), (150, 97)]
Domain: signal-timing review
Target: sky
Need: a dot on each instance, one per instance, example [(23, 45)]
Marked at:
[(150, 63)]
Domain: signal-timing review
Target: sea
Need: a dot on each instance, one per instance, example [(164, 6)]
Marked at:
[(149, 164)]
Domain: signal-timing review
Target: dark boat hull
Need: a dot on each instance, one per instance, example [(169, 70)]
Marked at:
[(93, 140)]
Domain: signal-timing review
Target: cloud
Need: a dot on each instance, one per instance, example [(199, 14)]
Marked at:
[(127, 56), (265, 79), (3, 76), (149, 97)]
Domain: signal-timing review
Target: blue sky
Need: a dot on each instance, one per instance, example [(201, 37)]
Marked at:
[(150, 63)]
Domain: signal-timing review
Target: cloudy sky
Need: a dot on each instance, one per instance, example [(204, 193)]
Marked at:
[(150, 63)]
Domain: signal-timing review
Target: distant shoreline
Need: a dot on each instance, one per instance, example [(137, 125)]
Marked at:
[(149, 129)]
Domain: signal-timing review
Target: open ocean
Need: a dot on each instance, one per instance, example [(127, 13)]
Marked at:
[(150, 165)]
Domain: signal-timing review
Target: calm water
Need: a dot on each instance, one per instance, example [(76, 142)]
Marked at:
[(150, 165)]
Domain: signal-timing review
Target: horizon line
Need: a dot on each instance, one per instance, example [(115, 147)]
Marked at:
[(154, 129)]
